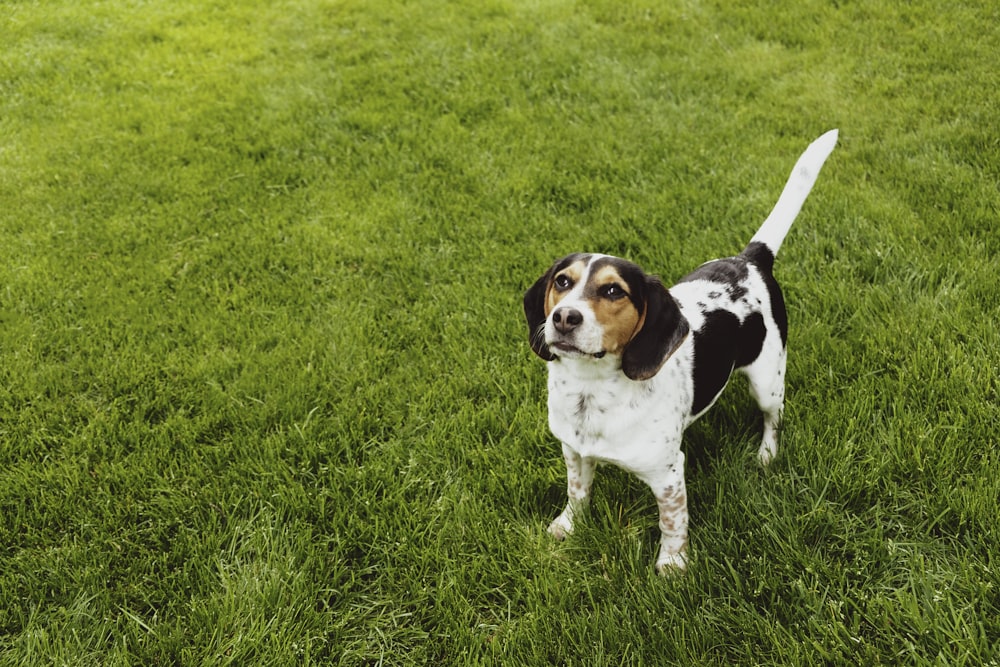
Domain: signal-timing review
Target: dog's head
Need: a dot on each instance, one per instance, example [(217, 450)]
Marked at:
[(590, 306)]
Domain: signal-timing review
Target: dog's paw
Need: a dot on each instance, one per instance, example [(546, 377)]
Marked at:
[(766, 453), (561, 527), (669, 564)]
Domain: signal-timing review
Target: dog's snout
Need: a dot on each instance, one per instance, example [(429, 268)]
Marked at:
[(566, 319)]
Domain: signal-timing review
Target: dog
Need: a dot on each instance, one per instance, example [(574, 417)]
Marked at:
[(632, 364)]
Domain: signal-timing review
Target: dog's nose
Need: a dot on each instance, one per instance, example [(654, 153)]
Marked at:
[(566, 319)]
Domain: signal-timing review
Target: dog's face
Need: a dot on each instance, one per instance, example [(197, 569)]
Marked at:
[(593, 305), (590, 306)]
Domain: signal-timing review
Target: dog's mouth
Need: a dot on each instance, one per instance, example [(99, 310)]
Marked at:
[(573, 350)]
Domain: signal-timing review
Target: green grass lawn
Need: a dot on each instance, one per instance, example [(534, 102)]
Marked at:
[(266, 396)]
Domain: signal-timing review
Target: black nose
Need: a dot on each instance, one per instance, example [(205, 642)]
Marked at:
[(566, 319)]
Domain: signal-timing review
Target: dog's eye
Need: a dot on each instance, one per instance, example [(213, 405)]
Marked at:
[(613, 291), (562, 282)]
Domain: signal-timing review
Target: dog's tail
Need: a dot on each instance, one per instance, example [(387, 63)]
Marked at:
[(801, 181)]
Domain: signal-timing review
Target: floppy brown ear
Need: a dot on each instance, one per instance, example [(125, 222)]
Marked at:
[(663, 330), (534, 312)]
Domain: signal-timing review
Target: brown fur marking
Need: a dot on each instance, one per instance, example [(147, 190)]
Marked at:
[(618, 317), (552, 296)]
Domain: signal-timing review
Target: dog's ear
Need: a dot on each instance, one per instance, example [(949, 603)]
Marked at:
[(534, 312), (663, 330)]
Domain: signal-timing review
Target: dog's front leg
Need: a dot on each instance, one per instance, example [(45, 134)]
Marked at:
[(579, 477), (671, 499)]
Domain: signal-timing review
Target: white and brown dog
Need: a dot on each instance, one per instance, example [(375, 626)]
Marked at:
[(632, 364)]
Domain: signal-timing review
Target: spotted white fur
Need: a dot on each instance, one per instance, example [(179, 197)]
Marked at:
[(629, 406)]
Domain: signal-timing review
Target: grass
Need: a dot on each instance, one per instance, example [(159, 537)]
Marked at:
[(265, 392)]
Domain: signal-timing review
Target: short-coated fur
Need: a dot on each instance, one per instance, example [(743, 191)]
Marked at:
[(632, 364)]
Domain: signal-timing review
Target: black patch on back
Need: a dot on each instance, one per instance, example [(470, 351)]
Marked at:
[(727, 271), (736, 292), (722, 344)]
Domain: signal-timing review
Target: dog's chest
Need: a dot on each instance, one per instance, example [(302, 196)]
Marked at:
[(588, 412), (615, 419)]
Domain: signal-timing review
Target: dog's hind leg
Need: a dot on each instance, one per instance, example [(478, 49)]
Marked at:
[(767, 384)]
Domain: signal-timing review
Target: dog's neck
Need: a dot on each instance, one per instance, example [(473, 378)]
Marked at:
[(588, 368)]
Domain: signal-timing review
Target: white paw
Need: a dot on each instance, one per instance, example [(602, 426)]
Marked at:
[(667, 564), (561, 527), (766, 452)]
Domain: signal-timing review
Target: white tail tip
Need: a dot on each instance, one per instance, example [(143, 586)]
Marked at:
[(799, 184), (824, 144)]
